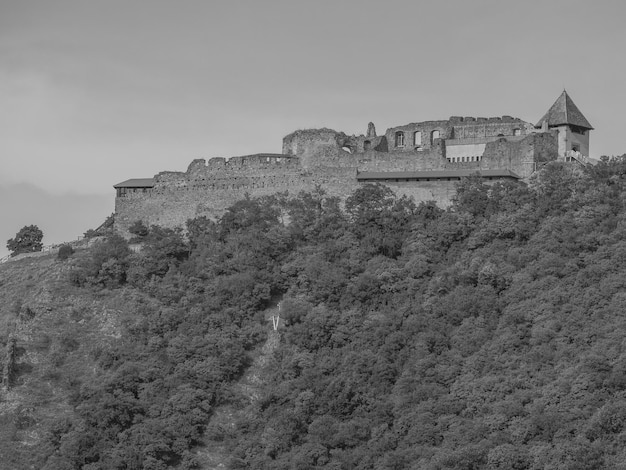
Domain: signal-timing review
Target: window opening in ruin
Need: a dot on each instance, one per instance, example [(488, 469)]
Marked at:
[(417, 138), (434, 135), (366, 145), (517, 132), (399, 139)]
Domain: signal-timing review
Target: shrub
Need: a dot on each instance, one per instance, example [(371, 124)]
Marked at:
[(139, 229), (65, 251), (106, 266)]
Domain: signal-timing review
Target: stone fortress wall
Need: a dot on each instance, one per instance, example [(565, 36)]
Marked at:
[(208, 188), (332, 160), (423, 160)]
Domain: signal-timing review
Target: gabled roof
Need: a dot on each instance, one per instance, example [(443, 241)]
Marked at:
[(435, 174), (564, 112), (136, 183)]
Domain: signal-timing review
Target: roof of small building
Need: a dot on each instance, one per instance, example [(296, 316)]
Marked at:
[(435, 174), (564, 111), (136, 183)]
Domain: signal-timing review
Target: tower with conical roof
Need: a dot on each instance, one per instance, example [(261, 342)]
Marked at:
[(569, 123)]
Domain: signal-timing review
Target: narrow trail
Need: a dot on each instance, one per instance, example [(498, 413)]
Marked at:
[(246, 391)]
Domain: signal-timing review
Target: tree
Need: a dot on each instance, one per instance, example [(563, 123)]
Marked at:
[(250, 214), (27, 240), (472, 195), (139, 229), (107, 264), (380, 220)]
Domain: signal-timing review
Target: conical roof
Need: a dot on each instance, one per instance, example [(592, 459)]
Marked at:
[(564, 112)]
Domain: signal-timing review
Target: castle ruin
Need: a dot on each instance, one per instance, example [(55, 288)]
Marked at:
[(422, 160)]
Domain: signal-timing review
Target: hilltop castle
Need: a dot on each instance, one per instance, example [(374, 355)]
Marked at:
[(422, 160)]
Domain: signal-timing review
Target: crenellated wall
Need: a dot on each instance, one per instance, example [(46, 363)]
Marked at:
[(208, 188), (331, 159)]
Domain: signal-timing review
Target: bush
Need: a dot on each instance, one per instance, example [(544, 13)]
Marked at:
[(139, 229), (65, 251), (106, 266), (27, 240)]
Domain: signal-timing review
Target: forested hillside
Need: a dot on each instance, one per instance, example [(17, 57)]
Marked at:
[(488, 336)]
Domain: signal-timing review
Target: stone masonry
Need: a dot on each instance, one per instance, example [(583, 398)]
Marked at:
[(423, 160)]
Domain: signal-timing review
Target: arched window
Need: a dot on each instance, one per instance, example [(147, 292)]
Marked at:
[(399, 139), (417, 138), (434, 135), (517, 132), (366, 145)]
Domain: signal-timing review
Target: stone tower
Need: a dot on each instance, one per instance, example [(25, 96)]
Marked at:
[(570, 124), (371, 130)]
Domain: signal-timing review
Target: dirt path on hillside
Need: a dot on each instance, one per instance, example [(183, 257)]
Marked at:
[(213, 455)]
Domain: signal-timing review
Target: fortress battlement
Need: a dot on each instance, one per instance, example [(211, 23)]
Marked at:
[(439, 151)]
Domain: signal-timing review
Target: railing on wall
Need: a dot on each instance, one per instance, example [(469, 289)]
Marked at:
[(571, 155)]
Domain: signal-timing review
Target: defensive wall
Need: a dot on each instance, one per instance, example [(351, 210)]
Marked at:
[(422, 160), (333, 160), (207, 188)]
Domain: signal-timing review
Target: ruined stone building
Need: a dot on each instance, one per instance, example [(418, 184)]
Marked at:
[(421, 159)]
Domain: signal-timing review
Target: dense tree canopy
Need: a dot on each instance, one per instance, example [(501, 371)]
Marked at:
[(485, 336)]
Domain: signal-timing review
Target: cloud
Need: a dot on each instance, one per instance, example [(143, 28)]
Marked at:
[(61, 217)]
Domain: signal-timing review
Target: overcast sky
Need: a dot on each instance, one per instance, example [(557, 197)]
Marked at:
[(95, 92)]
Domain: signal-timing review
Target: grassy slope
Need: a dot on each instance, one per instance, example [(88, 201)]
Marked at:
[(58, 331)]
